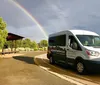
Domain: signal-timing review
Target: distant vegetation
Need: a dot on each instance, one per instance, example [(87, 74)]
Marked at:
[(28, 45)]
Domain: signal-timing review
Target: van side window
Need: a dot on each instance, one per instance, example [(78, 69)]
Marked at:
[(73, 43), (61, 40), (57, 40)]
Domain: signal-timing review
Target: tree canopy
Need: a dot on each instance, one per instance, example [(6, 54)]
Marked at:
[(33, 45), (43, 43), (3, 32)]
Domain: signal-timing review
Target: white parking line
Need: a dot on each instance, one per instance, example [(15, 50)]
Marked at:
[(62, 77), (71, 79)]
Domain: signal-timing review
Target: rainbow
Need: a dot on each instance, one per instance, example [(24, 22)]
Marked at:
[(30, 16)]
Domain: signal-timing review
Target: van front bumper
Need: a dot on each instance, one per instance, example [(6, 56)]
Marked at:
[(92, 65)]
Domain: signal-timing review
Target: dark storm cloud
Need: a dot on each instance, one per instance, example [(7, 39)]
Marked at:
[(56, 15), (53, 15), (49, 14)]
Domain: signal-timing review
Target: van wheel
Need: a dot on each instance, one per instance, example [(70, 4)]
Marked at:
[(51, 60), (80, 67)]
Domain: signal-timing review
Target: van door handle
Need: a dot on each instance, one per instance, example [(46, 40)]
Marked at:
[(67, 49)]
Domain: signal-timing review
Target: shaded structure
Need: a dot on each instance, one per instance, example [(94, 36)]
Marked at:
[(12, 37)]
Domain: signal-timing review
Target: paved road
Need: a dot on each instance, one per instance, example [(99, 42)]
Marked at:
[(21, 70), (89, 79)]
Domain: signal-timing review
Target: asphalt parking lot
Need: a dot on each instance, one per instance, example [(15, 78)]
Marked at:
[(21, 70)]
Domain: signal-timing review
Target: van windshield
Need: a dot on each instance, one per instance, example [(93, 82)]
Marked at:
[(89, 40)]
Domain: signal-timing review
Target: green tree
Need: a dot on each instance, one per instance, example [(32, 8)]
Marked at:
[(33, 45), (19, 43), (26, 43), (3, 32), (43, 43)]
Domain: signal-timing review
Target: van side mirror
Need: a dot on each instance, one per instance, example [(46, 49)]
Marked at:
[(74, 46)]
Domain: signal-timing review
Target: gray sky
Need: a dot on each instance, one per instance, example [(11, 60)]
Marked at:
[(53, 15)]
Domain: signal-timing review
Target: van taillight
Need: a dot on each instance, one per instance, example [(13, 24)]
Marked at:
[(88, 53)]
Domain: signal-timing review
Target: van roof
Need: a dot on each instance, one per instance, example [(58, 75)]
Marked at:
[(83, 32), (75, 32)]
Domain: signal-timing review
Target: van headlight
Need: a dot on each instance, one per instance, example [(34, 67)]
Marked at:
[(92, 53)]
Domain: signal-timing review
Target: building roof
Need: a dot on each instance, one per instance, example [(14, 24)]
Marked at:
[(12, 36)]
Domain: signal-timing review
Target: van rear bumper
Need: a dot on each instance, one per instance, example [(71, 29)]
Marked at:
[(92, 65)]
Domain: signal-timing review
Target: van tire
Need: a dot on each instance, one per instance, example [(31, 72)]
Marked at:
[(80, 67), (51, 60)]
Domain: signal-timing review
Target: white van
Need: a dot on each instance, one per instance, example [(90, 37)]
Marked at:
[(79, 48)]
